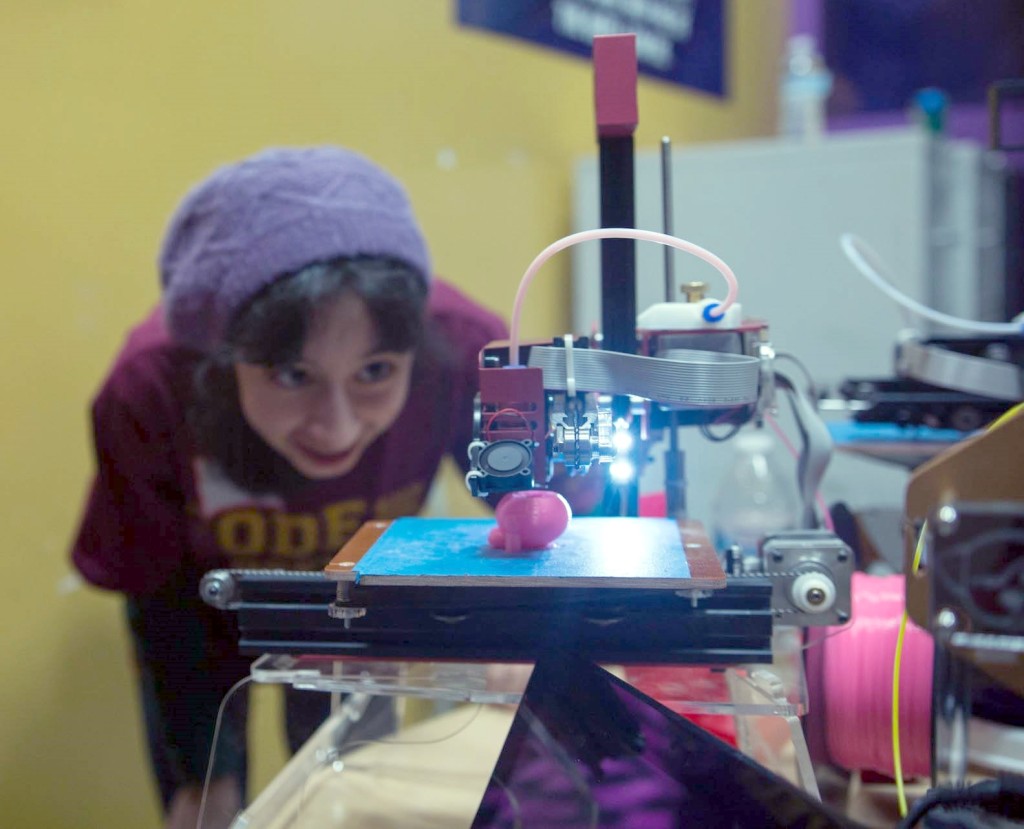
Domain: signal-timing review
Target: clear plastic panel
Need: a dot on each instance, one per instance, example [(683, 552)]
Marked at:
[(775, 689), (435, 771), (451, 681)]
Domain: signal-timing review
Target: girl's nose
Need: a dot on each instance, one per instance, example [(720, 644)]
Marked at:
[(333, 420)]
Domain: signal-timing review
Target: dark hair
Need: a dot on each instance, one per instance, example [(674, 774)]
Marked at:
[(271, 330)]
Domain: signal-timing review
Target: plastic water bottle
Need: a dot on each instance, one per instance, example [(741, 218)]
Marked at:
[(756, 496), (804, 88)]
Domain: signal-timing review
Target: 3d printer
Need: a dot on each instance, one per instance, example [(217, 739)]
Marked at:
[(563, 408)]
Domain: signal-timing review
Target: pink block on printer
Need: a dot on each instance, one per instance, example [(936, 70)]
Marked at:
[(615, 85)]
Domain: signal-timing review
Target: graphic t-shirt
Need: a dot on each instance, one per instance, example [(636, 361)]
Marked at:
[(157, 508)]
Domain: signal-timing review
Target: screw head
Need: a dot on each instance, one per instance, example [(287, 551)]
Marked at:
[(815, 596), (945, 619), (948, 519)]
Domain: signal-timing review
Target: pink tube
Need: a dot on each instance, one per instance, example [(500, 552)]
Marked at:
[(819, 499), (613, 233)]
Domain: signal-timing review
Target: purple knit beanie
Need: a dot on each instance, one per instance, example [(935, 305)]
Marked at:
[(270, 215)]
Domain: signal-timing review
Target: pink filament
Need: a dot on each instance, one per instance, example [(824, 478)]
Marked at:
[(857, 683)]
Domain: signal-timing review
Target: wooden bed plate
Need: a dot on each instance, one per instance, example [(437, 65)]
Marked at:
[(705, 570)]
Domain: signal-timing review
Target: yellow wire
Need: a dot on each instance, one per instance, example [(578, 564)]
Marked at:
[(897, 759), (1007, 415)]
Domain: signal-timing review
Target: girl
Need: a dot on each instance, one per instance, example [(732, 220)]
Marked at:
[(302, 374)]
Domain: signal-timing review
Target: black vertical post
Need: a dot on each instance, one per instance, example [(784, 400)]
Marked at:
[(615, 105), (618, 256)]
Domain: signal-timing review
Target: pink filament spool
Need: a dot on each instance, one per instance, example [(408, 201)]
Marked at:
[(856, 683), (529, 520)]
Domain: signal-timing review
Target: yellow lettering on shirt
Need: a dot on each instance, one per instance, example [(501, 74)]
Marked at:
[(242, 532), (295, 534), (305, 539), (341, 520)]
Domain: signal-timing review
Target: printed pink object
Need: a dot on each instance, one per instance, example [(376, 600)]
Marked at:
[(529, 520)]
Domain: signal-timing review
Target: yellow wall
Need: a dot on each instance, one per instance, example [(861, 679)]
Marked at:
[(110, 109)]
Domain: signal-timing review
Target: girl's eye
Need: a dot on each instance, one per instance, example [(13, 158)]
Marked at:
[(376, 372), (289, 377)]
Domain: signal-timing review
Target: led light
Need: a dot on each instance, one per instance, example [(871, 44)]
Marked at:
[(621, 471), (622, 441)]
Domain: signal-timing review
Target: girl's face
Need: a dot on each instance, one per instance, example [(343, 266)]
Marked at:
[(323, 411)]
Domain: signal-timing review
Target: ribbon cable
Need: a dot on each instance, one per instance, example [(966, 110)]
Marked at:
[(682, 378), (960, 372)]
